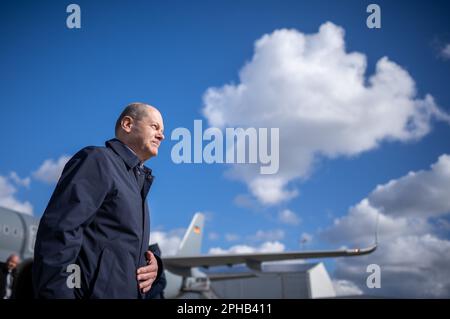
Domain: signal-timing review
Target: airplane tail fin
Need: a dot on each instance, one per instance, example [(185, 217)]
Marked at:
[(192, 240)]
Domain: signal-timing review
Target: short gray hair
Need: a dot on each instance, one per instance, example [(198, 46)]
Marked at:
[(135, 110)]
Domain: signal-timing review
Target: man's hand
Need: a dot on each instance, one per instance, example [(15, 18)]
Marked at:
[(146, 275)]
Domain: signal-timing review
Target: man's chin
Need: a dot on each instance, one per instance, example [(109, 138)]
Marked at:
[(153, 152)]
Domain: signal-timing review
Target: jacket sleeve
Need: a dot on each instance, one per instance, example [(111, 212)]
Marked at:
[(79, 193)]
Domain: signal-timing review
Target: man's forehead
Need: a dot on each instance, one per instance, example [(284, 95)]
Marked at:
[(154, 115)]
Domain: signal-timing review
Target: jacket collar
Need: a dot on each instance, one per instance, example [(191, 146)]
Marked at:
[(128, 156)]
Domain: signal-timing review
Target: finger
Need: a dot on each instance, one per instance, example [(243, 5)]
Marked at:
[(146, 276), (148, 268), (151, 267), (146, 284), (146, 289), (149, 255)]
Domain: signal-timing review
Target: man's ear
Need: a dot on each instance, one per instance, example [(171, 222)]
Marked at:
[(127, 123)]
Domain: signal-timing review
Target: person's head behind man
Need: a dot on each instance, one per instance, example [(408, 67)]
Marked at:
[(12, 262), (140, 126)]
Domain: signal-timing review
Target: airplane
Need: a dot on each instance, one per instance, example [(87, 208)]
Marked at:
[(182, 270)]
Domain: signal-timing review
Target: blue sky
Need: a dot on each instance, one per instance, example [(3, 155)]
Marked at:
[(62, 89)]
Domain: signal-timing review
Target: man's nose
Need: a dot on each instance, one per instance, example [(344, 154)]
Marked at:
[(160, 136)]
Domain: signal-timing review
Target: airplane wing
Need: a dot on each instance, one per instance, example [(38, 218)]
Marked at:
[(182, 264), (220, 277)]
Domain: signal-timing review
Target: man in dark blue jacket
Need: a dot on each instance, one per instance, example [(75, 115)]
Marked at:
[(93, 238)]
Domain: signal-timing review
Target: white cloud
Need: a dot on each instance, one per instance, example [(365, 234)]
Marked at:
[(270, 190), (20, 181), (358, 227), (411, 266), (420, 194), (237, 249), (414, 260), (266, 247), (271, 247), (445, 52), (168, 242), (8, 199), (319, 96), (51, 170), (346, 288), (268, 235), (287, 216)]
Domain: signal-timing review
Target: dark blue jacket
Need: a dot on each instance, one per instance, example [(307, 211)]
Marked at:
[(98, 219)]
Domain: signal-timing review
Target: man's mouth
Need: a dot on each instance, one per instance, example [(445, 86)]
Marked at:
[(155, 144)]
